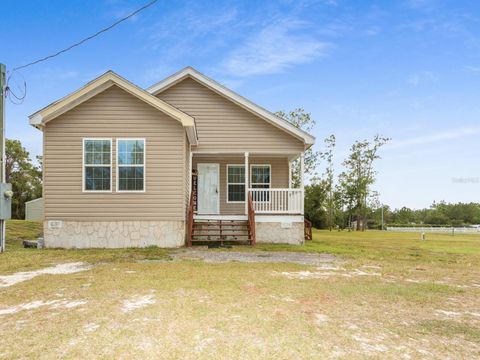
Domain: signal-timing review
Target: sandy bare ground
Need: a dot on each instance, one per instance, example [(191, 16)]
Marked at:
[(210, 256), (66, 268)]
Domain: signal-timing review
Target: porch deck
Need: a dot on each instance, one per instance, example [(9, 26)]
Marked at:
[(230, 193)]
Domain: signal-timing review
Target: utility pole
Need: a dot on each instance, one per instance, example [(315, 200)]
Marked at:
[(5, 189), (3, 87)]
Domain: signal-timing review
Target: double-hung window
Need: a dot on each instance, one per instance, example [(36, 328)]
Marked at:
[(235, 183), (97, 164), (131, 165), (260, 178)]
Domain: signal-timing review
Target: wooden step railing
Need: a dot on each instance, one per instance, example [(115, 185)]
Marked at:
[(251, 221), (307, 229), (190, 220)]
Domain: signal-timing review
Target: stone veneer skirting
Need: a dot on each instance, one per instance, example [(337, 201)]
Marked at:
[(273, 232), (114, 234)]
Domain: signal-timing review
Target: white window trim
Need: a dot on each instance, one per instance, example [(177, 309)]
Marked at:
[(228, 183), (144, 165), (269, 183), (96, 165)]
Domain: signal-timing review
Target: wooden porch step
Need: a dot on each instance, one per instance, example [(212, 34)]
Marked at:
[(204, 228), (225, 233), (241, 241), (219, 225), (222, 231), (221, 222), (222, 234)]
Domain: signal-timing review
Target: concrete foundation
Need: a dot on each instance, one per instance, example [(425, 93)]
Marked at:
[(113, 234), (280, 232)]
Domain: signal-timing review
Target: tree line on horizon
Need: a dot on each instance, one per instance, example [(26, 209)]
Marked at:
[(348, 200)]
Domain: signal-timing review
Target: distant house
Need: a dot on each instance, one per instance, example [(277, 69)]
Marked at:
[(34, 210), (167, 166)]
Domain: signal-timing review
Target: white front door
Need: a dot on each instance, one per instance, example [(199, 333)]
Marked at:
[(208, 190)]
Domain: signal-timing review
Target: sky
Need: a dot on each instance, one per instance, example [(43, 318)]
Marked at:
[(409, 70)]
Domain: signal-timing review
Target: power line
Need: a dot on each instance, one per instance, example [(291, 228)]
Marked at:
[(11, 95), (85, 39)]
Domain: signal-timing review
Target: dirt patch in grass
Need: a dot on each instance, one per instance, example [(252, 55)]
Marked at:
[(210, 256), (138, 302), (51, 304), (59, 269)]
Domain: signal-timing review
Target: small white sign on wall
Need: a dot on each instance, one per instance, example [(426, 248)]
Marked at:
[(286, 225), (55, 224)]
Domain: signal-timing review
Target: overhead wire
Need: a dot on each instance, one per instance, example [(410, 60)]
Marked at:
[(62, 51), (12, 95), (87, 38)]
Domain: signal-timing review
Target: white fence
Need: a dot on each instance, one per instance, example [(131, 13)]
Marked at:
[(277, 201), (448, 230)]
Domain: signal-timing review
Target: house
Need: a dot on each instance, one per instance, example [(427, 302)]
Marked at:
[(34, 210), (184, 160)]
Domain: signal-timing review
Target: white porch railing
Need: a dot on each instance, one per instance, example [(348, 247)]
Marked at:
[(277, 201)]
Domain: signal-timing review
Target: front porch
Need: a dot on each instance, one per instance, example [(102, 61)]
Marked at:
[(221, 183), (249, 191)]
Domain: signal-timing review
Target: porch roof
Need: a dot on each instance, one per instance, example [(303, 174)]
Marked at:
[(231, 154)]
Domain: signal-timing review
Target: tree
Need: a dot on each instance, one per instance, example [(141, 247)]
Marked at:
[(328, 179), (359, 176), (25, 177), (304, 121), (315, 199)]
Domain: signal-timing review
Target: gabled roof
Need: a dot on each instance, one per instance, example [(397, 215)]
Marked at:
[(103, 82), (234, 97)]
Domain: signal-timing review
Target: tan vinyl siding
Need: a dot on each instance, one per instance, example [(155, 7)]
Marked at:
[(224, 126), (114, 114), (279, 177)]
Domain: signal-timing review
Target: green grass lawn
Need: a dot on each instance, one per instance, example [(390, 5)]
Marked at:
[(388, 296), (22, 230), (380, 245)]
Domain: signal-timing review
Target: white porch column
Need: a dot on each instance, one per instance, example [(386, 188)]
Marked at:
[(302, 180), (246, 183), (302, 170), (289, 174)]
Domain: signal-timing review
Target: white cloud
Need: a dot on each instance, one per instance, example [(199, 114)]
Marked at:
[(186, 26), (372, 31), (435, 137), (475, 70), (275, 48), (421, 77)]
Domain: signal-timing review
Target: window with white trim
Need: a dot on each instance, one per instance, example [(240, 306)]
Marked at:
[(131, 165), (260, 178), (235, 183), (97, 164)]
